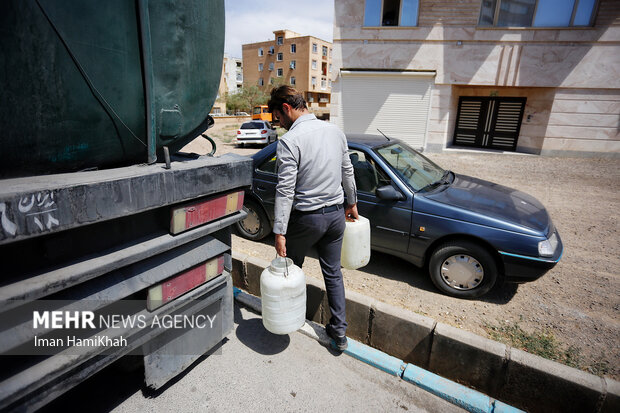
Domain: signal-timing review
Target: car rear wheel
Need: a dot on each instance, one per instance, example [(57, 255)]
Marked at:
[(256, 225), (463, 269)]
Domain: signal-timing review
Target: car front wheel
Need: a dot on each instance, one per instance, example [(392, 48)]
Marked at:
[(256, 225), (463, 269)]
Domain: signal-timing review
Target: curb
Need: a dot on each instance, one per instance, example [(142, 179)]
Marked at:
[(468, 399), (526, 381)]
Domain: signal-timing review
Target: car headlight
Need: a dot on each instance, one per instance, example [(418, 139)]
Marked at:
[(547, 247)]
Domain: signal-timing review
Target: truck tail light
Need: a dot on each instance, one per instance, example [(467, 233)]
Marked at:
[(179, 284), (198, 213)]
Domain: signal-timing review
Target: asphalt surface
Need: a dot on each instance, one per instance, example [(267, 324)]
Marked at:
[(255, 370)]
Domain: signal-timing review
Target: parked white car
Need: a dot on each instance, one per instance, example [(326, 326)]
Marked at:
[(256, 131)]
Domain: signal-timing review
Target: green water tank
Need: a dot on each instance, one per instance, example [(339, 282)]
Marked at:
[(98, 84)]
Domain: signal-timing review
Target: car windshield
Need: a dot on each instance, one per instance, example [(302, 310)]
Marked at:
[(253, 125), (414, 168)]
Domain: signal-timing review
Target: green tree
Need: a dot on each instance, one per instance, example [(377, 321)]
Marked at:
[(277, 82), (245, 99), (235, 102), (255, 96)]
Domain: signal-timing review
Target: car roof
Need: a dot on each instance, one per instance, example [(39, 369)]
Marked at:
[(371, 141)]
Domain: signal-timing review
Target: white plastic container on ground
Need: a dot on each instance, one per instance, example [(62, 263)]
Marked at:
[(283, 294), (356, 244)]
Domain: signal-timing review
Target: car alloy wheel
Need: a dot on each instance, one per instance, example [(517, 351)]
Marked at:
[(463, 269)]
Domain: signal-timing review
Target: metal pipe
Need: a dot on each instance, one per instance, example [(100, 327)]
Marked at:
[(147, 72), (166, 157)]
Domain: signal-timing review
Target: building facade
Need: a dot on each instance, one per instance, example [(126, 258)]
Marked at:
[(233, 73), (304, 62), (219, 106), (231, 80), (532, 76)]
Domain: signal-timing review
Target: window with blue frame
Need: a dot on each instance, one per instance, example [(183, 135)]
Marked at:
[(537, 13), (402, 13)]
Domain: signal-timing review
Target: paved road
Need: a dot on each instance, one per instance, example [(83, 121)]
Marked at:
[(258, 371)]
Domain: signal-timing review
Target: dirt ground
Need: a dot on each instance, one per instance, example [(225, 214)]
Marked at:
[(574, 307)]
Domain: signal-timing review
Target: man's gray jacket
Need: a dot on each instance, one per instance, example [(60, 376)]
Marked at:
[(313, 167)]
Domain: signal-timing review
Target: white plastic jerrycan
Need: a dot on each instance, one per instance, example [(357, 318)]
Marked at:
[(283, 295), (356, 244)]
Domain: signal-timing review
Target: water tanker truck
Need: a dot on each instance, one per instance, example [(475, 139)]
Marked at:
[(112, 242)]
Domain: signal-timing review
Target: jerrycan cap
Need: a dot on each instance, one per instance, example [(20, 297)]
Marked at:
[(281, 265)]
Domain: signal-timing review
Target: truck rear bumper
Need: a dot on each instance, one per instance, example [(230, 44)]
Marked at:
[(53, 376), (109, 240)]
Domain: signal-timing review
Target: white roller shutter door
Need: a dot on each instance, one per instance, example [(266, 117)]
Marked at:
[(397, 103)]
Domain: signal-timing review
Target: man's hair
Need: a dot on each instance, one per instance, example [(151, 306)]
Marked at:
[(286, 94)]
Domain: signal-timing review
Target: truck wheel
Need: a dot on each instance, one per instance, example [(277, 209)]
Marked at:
[(256, 225), (463, 269)]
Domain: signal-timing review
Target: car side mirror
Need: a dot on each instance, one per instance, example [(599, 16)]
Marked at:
[(389, 193)]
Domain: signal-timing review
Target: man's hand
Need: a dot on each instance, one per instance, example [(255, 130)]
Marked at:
[(350, 213), (281, 245)]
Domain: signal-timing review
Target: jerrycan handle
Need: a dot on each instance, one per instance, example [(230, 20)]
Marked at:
[(285, 265)]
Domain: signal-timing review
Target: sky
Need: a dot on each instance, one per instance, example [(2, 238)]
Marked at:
[(255, 21)]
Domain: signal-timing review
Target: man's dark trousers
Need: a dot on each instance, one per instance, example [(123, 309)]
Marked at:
[(325, 230)]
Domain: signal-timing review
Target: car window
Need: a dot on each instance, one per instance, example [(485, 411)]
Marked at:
[(252, 125), (415, 169), (368, 175), (269, 165)]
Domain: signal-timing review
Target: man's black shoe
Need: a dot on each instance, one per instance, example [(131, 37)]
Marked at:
[(341, 341)]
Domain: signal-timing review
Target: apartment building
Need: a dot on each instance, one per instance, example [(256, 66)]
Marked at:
[(304, 62), (231, 80), (233, 73), (219, 106), (531, 76)]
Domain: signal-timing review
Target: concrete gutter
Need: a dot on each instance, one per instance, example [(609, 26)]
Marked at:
[(524, 380)]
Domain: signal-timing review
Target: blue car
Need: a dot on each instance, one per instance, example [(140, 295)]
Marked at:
[(470, 234)]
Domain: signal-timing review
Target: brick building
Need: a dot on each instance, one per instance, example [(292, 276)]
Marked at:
[(304, 62)]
